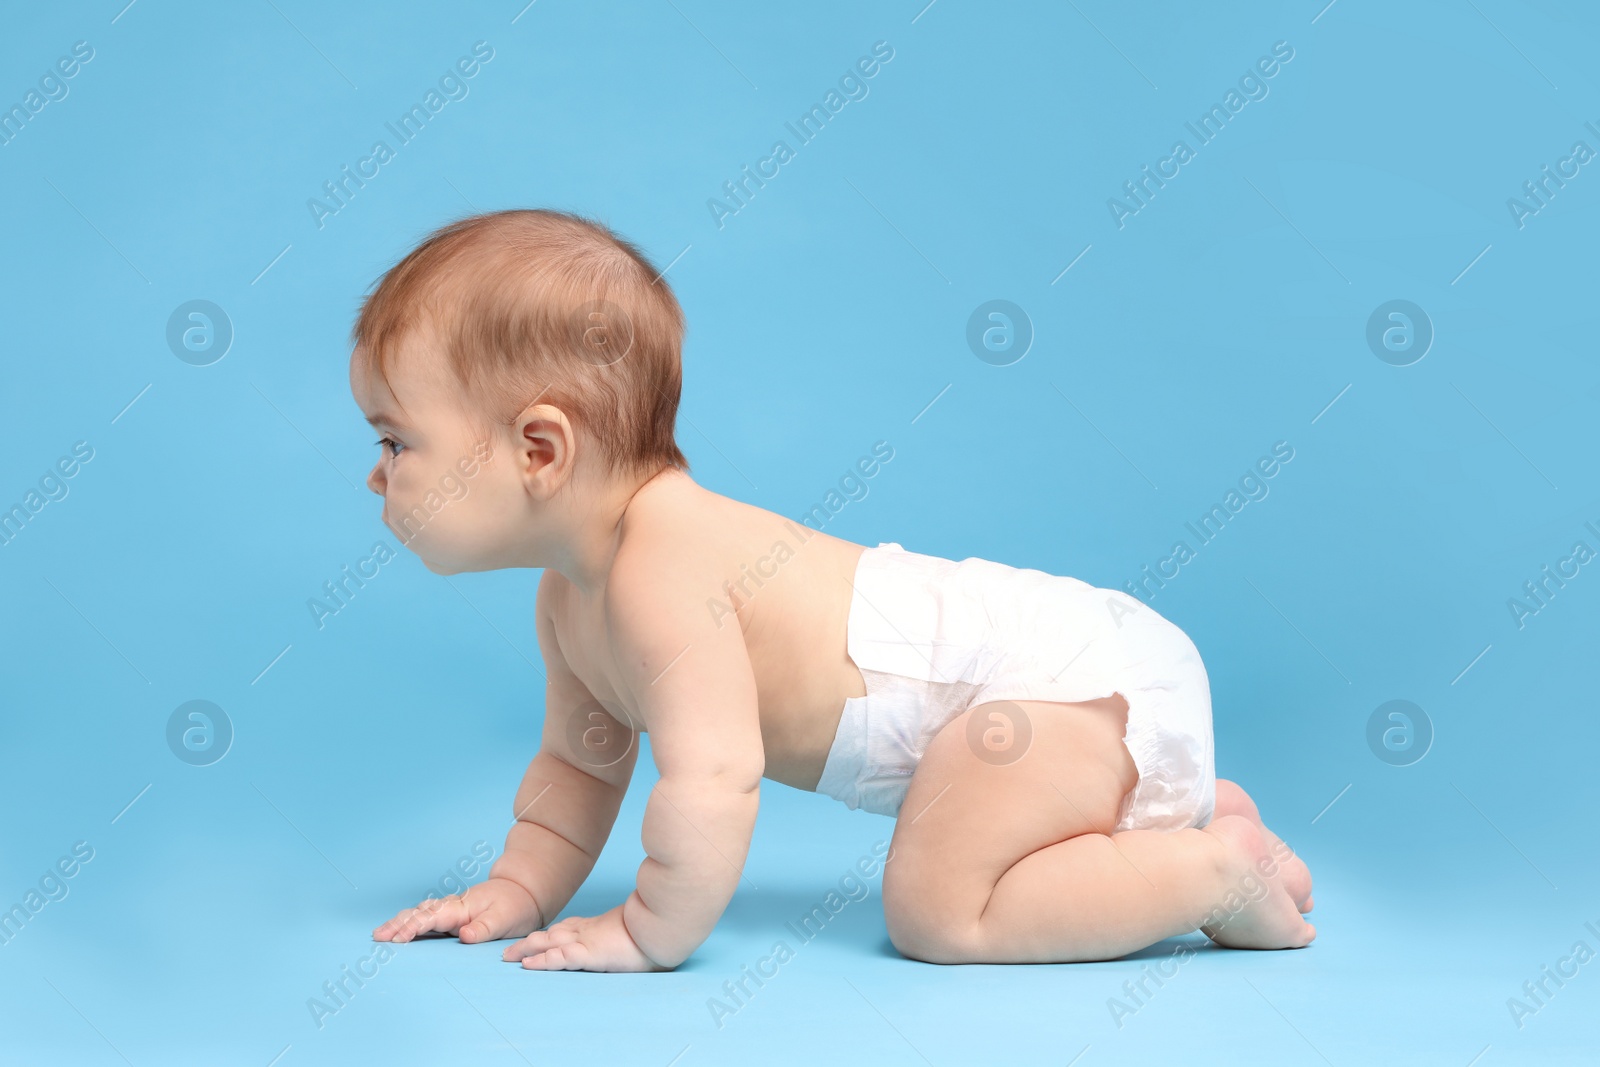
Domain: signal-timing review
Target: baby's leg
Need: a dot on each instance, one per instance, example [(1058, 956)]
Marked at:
[(1010, 862)]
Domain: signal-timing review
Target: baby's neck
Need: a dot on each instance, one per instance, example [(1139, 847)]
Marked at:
[(592, 524)]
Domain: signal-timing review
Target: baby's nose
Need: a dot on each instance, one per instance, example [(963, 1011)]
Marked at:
[(375, 480)]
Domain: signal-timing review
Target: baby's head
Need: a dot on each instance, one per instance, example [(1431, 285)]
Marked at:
[(521, 366)]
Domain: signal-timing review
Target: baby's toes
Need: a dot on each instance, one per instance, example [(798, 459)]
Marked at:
[(1297, 880), (1292, 872)]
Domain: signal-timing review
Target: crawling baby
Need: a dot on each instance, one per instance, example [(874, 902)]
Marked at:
[(1044, 745)]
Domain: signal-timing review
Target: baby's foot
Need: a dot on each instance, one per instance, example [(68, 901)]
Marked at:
[(1258, 909), (1232, 800), (1292, 869)]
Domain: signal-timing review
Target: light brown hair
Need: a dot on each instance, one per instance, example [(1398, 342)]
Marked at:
[(538, 304)]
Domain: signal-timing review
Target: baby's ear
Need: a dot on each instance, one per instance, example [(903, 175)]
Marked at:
[(546, 446)]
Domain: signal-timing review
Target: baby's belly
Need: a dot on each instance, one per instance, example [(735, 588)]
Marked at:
[(797, 643)]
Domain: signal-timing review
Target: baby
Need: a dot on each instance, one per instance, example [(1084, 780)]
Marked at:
[(1045, 745)]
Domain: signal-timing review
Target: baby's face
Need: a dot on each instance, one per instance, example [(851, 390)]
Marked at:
[(450, 493)]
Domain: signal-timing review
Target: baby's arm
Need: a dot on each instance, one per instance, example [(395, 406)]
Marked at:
[(694, 686), (563, 812)]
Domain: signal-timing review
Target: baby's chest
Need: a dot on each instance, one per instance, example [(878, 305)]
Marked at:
[(585, 648)]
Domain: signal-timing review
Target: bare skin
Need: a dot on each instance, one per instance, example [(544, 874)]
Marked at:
[(719, 628)]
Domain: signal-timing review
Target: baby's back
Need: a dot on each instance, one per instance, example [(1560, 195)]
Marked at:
[(785, 585)]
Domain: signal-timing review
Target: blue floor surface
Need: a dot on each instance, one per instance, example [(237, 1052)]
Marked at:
[(1378, 256)]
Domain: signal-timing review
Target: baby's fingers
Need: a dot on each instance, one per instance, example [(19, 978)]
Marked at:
[(387, 930), (540, 941), (569, 957), (431, 916), (403, 922)]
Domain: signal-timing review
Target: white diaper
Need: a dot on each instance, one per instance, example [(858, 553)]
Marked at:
[(933, 637)]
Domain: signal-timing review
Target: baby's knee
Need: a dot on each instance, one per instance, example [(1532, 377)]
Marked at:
[(934, 943), (924, 927)]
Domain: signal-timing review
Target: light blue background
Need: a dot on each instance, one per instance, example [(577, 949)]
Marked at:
[(1225, 316)]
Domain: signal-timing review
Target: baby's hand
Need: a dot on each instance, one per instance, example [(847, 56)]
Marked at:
[(577, 944), (489, 910)]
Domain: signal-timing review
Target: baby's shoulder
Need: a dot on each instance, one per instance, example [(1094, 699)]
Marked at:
[(552, 591), (672, 540), (663, 563)]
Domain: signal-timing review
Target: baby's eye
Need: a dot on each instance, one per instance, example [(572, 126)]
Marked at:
[(391, 444)]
